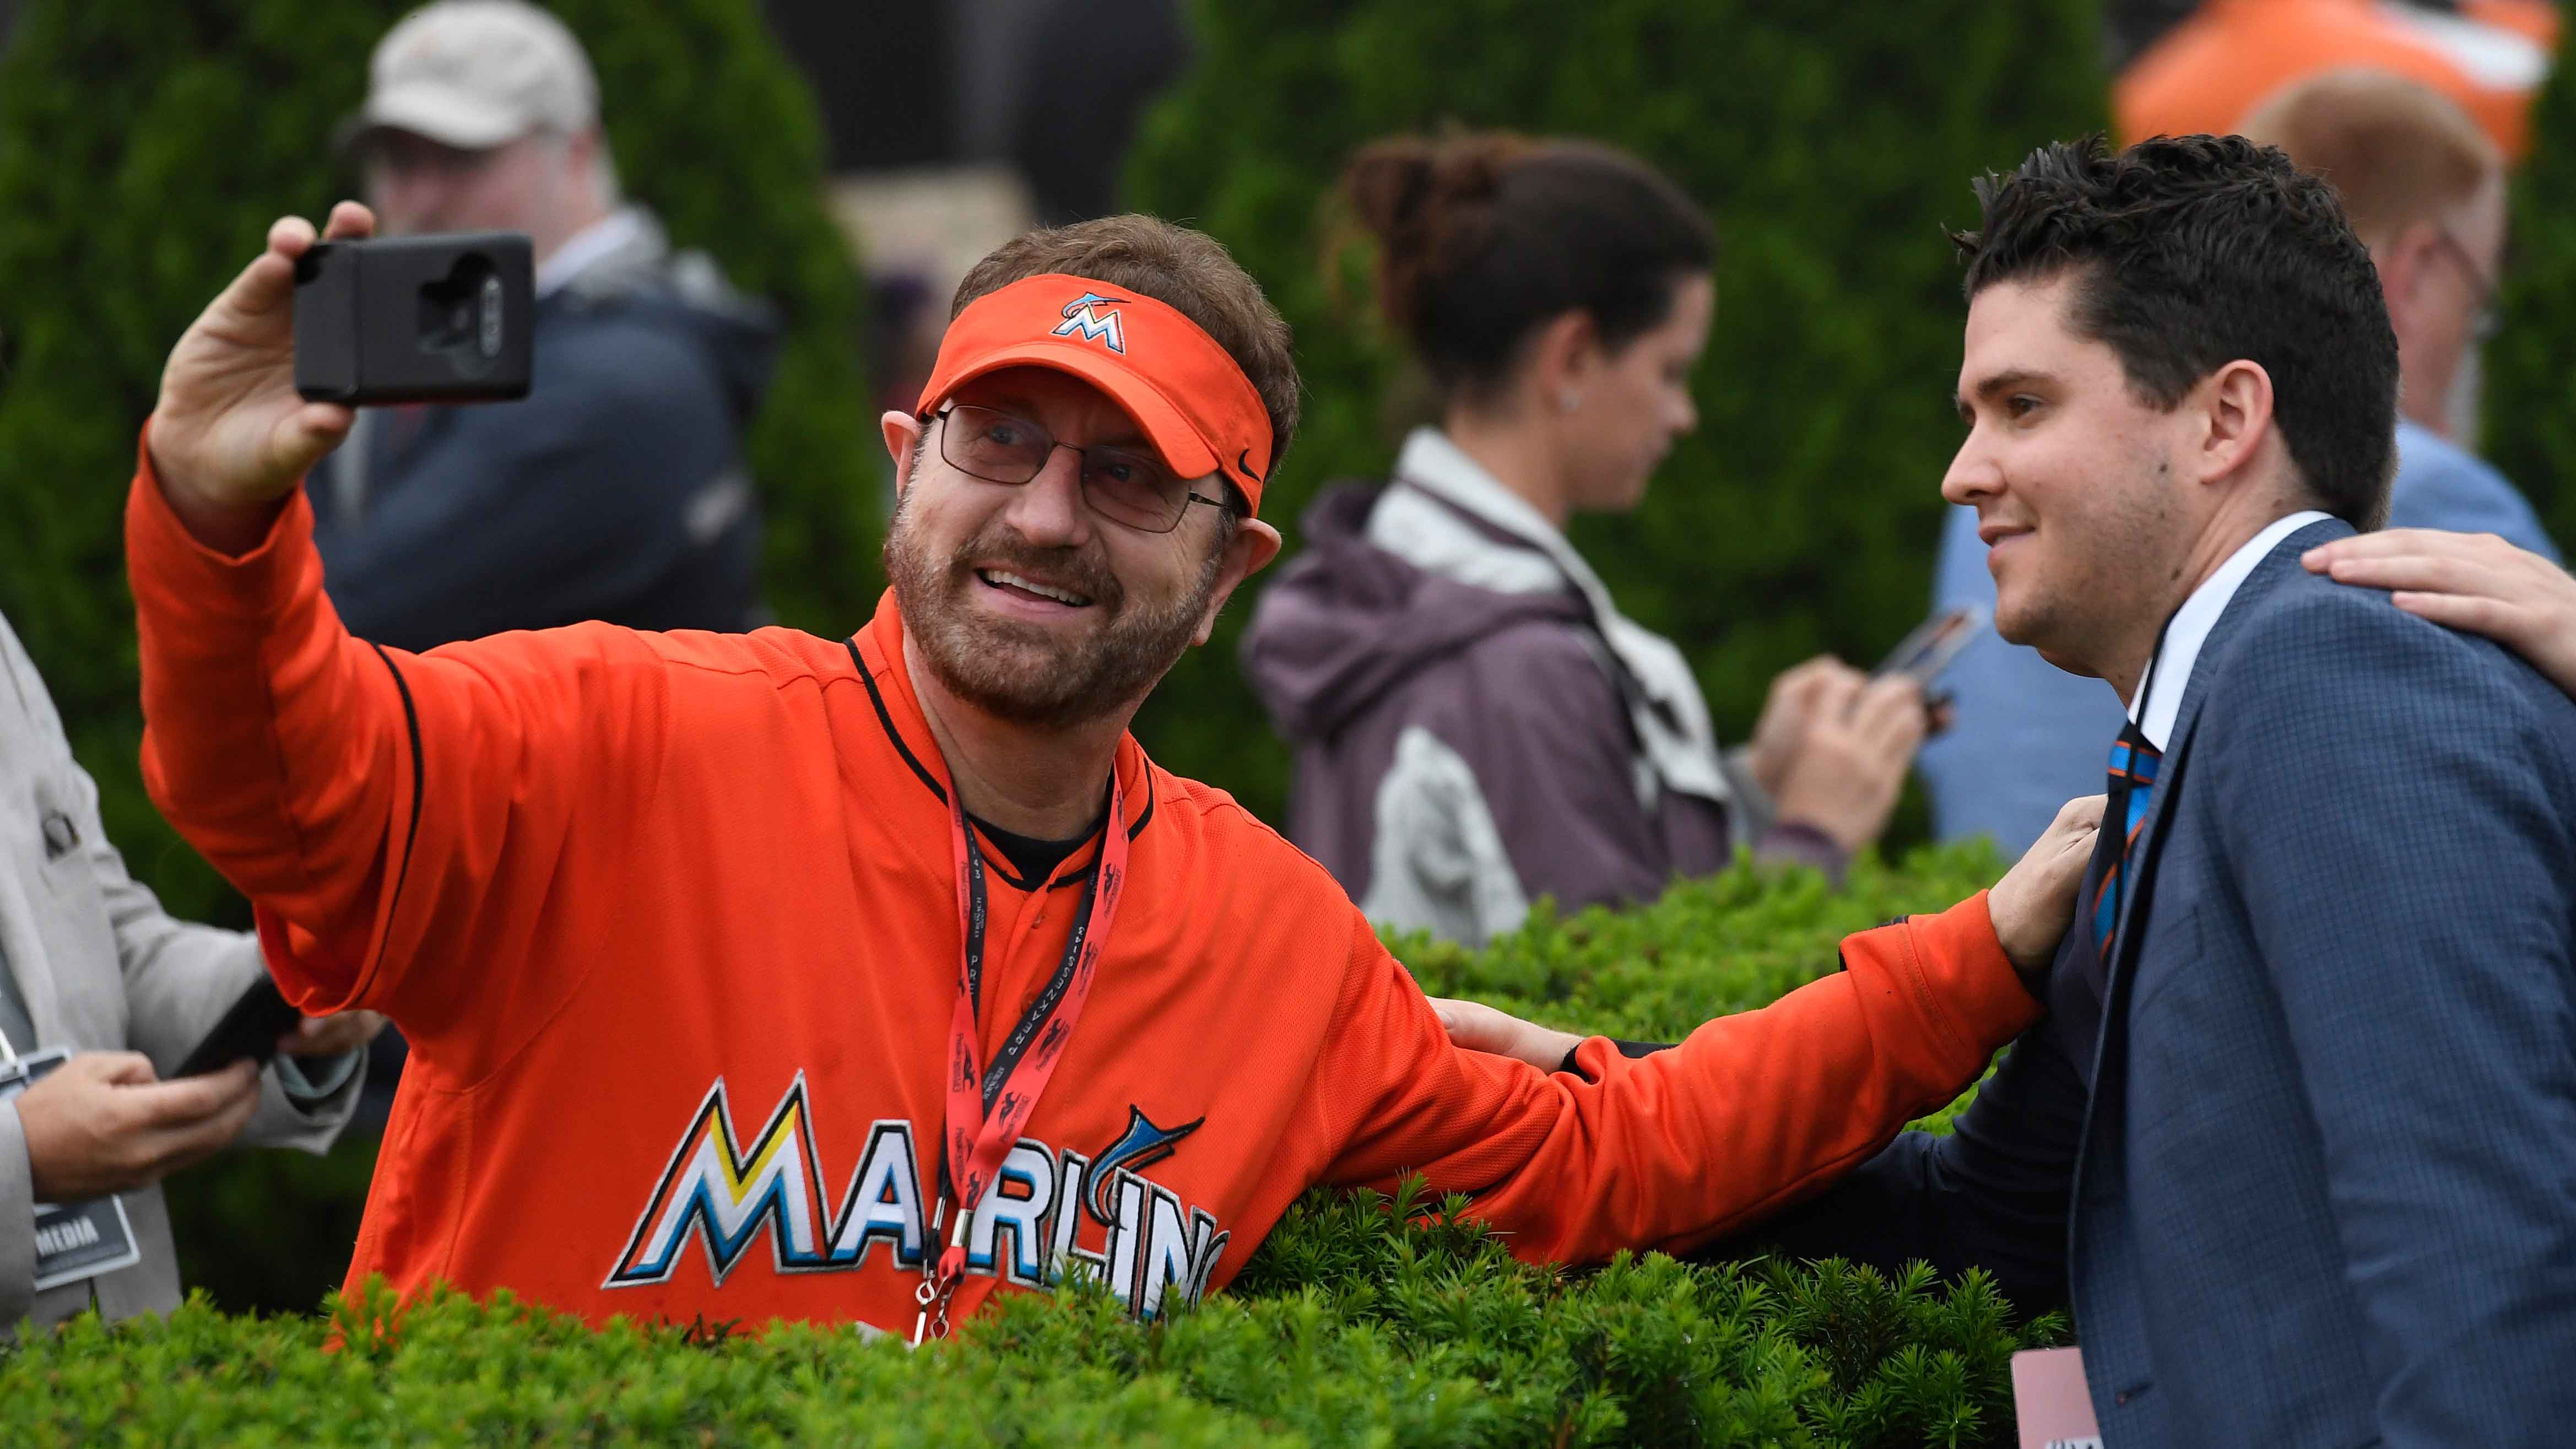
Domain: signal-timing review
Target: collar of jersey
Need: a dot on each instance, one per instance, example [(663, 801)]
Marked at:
[(879, 648)]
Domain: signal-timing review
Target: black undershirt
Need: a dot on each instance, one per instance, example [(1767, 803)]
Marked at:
[(1032, 859)]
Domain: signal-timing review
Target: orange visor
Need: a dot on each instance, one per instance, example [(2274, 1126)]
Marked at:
[(1196, 406)]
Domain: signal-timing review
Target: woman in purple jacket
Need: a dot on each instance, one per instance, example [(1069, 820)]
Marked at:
[(1476, 724)]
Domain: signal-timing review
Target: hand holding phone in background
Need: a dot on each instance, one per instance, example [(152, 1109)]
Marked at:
[(1833, 744), (102, 1122), (1935, 644)]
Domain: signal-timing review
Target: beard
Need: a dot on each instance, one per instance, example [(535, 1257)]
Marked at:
[(2109, 564), (1027, 673)]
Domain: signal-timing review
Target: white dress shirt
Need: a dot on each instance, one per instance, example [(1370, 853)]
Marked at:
[(2170, 674)]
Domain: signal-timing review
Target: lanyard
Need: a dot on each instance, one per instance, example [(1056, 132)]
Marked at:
[(988, 1105)]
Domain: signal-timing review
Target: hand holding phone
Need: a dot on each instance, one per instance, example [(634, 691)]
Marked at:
[(1923, 654), (443, 318), (247, 1032)]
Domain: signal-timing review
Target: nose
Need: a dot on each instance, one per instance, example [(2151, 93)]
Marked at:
[(1685, 415), (1048, 510), (1974, 474)]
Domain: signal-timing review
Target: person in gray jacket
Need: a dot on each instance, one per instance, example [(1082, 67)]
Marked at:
[(91, 965), (617, 489), (1476, 724)]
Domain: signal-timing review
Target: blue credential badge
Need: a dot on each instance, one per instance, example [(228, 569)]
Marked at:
[(74, 1240)]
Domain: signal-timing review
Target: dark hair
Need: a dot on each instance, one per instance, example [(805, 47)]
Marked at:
[(1483, 237), (2191, 252), (1188, 271)]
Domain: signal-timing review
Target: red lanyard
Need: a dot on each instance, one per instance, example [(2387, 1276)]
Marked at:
[(986, 1108)]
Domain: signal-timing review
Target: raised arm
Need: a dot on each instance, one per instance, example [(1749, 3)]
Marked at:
[(377, 807)]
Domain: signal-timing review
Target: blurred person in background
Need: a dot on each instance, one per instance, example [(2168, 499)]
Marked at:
[(92, 966), (2205, 73), (2425, 189), (617, 489), (1476, 723)]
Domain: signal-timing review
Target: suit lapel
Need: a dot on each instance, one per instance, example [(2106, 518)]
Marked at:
[(2276, 567), (2110, 1043)]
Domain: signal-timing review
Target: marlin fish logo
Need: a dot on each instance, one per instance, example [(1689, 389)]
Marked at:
[(1141, 1146), (1092, 326)]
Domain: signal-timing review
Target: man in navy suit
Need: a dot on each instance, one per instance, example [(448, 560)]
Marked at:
[(2323, 983), (2325, 1189)]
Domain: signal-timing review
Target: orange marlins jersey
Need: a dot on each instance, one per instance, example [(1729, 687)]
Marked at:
[(670, 921)]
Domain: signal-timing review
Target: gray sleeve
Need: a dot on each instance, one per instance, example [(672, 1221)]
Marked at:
[(310, 1123), (17, 1223), (179, 977)]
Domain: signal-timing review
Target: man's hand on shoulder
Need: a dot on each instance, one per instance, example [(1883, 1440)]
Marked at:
[(2474, 582), (2035, 901), (1473, 1026), (229, 434)]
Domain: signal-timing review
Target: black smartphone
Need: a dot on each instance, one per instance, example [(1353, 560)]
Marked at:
[(1927, 651), (250, 1029), (442, 318)]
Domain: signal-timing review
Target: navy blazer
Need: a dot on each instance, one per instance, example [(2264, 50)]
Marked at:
[(2326, 1184), (2326, 1192)]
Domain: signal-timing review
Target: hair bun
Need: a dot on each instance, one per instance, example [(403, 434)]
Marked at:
[(1428, 203)]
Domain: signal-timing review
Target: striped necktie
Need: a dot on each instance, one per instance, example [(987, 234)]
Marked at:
[(2133, 784)]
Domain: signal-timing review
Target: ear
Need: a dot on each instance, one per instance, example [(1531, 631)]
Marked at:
[(1253, 546), (2235, 409), (903, 440), (1564, 358), (2404, 263)]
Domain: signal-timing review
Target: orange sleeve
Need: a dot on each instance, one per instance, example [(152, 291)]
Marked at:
[(1673, 1149), (396, 819)]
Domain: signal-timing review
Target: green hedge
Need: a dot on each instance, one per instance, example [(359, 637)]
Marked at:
[(1347, 1325), (143, 151), (1831, 143), (2530, 403), (1437, 1337)]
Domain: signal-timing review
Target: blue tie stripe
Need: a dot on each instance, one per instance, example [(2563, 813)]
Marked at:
[(2133, 779)]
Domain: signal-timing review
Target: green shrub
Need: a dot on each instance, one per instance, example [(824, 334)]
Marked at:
[(2530, 402), (1353, 1323), (1831, 143), (1447, 1341), (143, 151)]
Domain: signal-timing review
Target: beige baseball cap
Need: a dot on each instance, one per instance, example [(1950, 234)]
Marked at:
[(475, 74)]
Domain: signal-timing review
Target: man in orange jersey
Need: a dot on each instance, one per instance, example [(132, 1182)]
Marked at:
[(773, 976)]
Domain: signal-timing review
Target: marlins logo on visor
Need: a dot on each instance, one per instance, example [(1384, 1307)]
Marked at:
[(1103, 328)]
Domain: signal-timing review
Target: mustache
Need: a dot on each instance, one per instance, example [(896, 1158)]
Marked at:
[(1082, 570)]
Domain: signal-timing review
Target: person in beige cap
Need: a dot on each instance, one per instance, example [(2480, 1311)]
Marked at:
[(484, 115), (617, 489)]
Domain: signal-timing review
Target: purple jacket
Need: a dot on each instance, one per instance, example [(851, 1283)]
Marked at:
[(1464, 750)]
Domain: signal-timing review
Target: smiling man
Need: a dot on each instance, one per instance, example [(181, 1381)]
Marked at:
[(2324, 973), (775, 976), (2322, 984)]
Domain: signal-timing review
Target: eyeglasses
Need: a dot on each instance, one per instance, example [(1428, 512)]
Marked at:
[(2483, 322), (1121, 484)]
